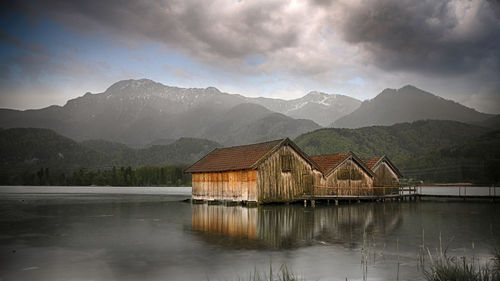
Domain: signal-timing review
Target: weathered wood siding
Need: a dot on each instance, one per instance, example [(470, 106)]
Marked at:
[(284, 176), (232, 186), (347, 179), (385, 176)]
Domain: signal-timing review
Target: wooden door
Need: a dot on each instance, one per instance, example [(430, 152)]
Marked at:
[(308, 184)]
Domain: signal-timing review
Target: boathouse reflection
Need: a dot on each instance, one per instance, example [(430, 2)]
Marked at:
[(292, 226)]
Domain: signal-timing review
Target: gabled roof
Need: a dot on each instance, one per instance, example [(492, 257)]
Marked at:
[(373, 163), (328, 163), (243, 157), (370, 162)]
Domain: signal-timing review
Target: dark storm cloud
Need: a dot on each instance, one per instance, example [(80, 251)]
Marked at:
[(443, 37), (304, 45), (495, 5), (203, 28)]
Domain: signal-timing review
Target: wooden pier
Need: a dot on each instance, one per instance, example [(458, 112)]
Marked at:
[(336, 194), (401, 193)]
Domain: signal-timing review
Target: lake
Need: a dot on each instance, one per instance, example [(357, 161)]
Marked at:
[(123, 233)]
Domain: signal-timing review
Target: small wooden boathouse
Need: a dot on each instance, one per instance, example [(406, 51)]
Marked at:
[(343, 174), (274, 171), (386, 173)]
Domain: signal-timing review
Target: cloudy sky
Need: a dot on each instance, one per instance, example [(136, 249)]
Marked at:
[(53, 50)]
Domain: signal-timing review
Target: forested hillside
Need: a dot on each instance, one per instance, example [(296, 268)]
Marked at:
[(399, 141), (31, 155), (477, 160), (432, 150)]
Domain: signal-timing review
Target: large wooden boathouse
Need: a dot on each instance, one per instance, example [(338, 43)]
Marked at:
[(274, 171)]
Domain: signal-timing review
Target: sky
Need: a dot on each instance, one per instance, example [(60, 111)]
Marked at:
[(52, 51)]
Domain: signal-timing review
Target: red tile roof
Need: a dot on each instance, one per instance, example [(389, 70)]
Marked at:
[(370, 162), (233, 158), (326, 162)]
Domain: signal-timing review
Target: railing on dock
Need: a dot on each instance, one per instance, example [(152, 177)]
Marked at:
[(463, 191), (321, 191)]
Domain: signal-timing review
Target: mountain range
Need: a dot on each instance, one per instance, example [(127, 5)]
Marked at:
[(141, 113), (407, 104)]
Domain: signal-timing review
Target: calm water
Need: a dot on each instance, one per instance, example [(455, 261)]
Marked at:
[(84, 236)]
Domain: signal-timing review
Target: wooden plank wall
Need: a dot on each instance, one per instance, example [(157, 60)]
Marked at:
[(275, 185), (349, 177), (385, 176), (232, 185)]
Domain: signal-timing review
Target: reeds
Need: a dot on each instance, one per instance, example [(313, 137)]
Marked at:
[(444, 268), (453, 269), (283, 275)]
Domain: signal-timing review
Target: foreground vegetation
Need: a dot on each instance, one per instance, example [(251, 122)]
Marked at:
[(442, 268), (453, 269), (282, 275)]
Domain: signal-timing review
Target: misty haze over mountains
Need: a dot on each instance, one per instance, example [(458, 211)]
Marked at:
[(141, 112)]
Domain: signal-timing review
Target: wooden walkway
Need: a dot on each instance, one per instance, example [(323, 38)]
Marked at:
[(358, 197), (388, 193), (322, 193)]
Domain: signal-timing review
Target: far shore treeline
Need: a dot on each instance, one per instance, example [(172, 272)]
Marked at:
[(169, 175)]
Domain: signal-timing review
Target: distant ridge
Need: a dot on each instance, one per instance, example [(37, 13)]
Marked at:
[(29, 149), (407, 104), (141, 112)]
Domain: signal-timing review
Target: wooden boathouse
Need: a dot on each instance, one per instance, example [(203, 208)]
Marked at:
[(342, 174), (279, 171), (386, 173), (274, 171)]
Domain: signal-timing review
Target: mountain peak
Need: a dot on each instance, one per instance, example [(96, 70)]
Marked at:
[(409, 87), (407, 104), (316, 93), (131, 84), (212, 90)]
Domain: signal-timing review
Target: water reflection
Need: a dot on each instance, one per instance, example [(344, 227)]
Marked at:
[(293, 226)]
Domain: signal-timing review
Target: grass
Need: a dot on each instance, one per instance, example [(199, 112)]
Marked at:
[(442, 267), (283, 275), (459, 269)]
